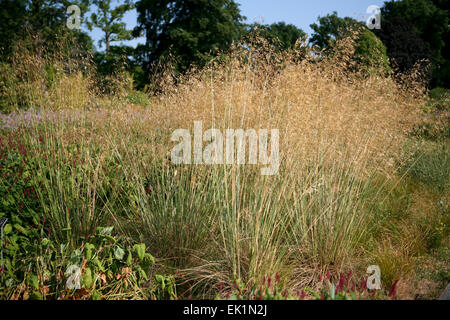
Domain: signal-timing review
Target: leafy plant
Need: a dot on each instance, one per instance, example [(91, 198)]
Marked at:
[(102, 268), (271, 289)]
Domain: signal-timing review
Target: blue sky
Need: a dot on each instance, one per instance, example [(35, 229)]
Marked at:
[(301, 13)]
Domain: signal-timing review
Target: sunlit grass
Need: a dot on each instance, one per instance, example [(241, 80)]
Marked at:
[(100, 160)]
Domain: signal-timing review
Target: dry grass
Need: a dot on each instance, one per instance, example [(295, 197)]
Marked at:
[(339, 130)]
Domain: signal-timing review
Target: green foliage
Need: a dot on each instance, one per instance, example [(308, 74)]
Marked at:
[(12, 24), (442, 97), (62, 180), (370, 53), (435, 130), (434, 126), (115, 57), (438, 226), (19, 203), (345, 288), (442, 271), (190, 30), (139, 98), (166, 287), (42, 243), (281, 35), (118, 63), (109, 20), (270, 289), (427, 20), (431, 166), (332, 28), (40, 23), (405, 48), (104, 266), (418, 29), (36, 258)]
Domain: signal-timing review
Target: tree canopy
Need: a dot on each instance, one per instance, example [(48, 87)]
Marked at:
[(283, 36), (370, 53), (189, 32), (413, 30), (109, 20), (188, 29), (332, 28), (42, 21)]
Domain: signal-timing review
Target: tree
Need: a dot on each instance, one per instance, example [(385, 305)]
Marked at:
[(370, 53), (427, 20), (405, 48), (441, 76), (283, 36), (43, 20), (12, 24), (189, 29), (109, 20), (332, 28), (47, 18)]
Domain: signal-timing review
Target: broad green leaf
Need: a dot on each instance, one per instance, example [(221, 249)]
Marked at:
[(162, 280), (88, 253), (140, 250), (110, 238), (7, 229), (87, 278), (98, 264), (129, 259), (142, 272), (34, 281), (148, 257)]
